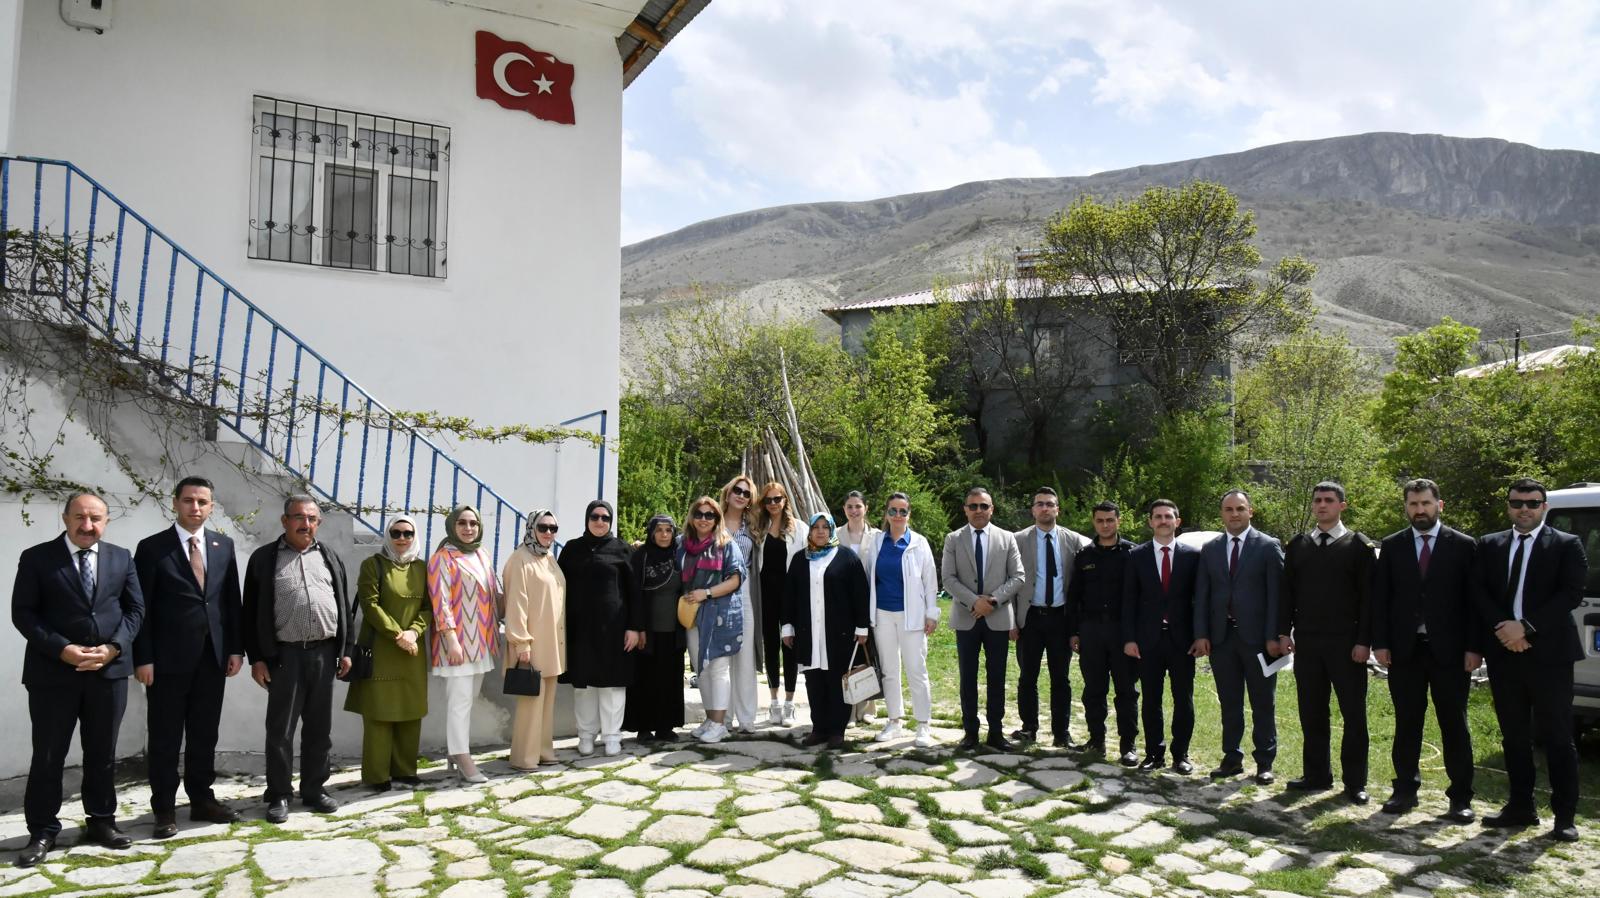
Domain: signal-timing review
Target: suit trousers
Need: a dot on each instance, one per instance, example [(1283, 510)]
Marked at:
[(825, 691), (1047, 637), (1168, 660), (300, 694), (184, 709), (1323, 670), (1104, 664), (996, 648), (1410, 684), (898, 646), (1529, 698), (389, 749), (93, 705), (533, 726), (1238, 671)]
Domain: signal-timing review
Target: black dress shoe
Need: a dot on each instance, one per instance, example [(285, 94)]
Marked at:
[(1265, 777), (1512, 817), (1460, 812), (1228, 768), (1565, 831), (212, 811), (1023, 735), (1182, 766), (1065, 741), (1399, 804), (645, 738), (166, 825), (410, 782), (814, 738), (1129, 759), (1152, 762), (998, 743), (322, 802), (1307, 784), (967, 743), (278, 810), (666, 736), (39, 846), (1094, 747), (105, 833), (384, 786), (836, 742), (1357, 795)]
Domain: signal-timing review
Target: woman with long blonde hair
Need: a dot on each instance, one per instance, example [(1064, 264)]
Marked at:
[(781, 536), (713, 576), (738, 516)]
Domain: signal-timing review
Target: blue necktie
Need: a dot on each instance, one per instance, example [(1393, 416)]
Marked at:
[(85, 573), (977, 552)]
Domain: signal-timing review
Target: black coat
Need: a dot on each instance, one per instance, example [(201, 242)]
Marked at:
[(259, 628), (1144, 604), (603, 604), (1402, 598), (178, 614), (1552, 587), (845, 596), (51, 612)]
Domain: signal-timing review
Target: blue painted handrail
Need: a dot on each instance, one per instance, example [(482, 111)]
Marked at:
[(276, 417)]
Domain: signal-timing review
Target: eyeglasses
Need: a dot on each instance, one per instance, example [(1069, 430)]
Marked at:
[(402, 534), (704, 515), (897, 512), (1524, 503), (547, 528), (600, 517), (978, 506), (773, 500), (741, 492)]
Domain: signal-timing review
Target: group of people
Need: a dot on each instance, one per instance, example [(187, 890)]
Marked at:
[(747, 586)]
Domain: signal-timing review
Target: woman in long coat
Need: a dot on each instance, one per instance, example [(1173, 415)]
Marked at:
[(466, 616), (824, 619), (392, 591), (605, 624), (655, 698), (536, 636)]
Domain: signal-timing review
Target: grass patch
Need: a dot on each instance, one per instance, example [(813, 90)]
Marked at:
[(1303, 881)]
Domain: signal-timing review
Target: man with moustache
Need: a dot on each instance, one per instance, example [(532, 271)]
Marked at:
[(1425, 631), (1044, 628), (297, 633), (1327, 623), (1158, 584), (1094, 608), (76, 601), (982, 572)]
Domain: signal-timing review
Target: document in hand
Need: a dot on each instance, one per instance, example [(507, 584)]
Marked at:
[(1271, 668)]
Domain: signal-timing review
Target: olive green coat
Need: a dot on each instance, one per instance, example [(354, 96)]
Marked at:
[(392, 598)]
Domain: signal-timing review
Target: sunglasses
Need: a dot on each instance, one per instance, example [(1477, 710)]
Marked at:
[(1524, 503), (600, 517), (704, 516), (741, 492), (774, 500), (547, 528), (402, 534), (978, 506), (897, 512)]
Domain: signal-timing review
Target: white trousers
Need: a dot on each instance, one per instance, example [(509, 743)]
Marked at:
[(896, 646), (743, 674), (715, 683), (459, 695), (599, 710)]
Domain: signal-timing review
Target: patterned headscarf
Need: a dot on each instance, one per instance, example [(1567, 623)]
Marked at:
[(412, 554), (833, 536), (530, 534), (450, 538)]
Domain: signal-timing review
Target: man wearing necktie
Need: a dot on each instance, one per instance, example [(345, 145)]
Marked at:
[(1157, 626), (982, 572), (1044, 630), (1425, 631), (1529, 580), (188, 647), (77, 603)]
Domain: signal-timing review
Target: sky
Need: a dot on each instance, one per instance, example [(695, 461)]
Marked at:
[(766, 102)]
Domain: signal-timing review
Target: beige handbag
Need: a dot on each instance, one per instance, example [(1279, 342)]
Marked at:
[(862, 682)]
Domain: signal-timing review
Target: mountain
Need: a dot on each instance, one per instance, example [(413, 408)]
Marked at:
[(1404, 228)]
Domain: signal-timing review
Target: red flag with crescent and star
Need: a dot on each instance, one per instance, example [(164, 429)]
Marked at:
[(519, 77)]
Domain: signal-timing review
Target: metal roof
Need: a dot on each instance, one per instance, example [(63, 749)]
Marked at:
[(657, 24), (1017, 287), (1554, 357)]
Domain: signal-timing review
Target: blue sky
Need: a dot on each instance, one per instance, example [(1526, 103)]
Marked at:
[(764, 102)]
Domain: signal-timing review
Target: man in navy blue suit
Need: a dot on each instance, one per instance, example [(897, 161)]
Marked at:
[(186, 650), (1158, 584), (77, 603)]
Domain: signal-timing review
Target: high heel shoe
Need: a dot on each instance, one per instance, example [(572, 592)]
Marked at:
[(466, 770)]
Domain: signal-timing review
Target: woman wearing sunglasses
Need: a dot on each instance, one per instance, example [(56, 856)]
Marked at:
[(536, 637), (904, 612), (781, 537), (466, 626), (655, 697), (605, 624), (392, 591), (825, 621), (739, 517), (712, 572)]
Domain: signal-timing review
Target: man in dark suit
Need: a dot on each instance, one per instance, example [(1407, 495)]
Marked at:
[(77, 603), (1529, 580), (186, 650), (982, 572), (1158, 584), (1044, 630), (1425, 631), (296, 630), (1094, 608), (1236, 608), (1327, 623)]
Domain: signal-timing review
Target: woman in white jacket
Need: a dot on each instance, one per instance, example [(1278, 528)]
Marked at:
[(904, 610)]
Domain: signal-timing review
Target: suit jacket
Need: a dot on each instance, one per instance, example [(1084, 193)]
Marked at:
[(1144, 604), (1033, 565), (1554, 572), (258, 628), (1402, 598), (1252, 590), (179, 614), (1003, 576), (50, 610)]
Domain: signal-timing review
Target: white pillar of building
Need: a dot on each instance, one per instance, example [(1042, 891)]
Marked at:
[(10, 50)]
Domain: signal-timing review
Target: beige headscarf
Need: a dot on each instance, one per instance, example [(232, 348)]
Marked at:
[(412, 554)]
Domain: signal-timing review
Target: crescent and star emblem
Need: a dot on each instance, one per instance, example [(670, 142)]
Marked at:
[(506, 59)]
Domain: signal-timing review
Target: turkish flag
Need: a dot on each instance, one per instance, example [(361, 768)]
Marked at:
[(519, 77)]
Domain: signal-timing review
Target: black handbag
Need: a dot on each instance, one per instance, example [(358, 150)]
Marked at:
[(360, 664), (521, 681)]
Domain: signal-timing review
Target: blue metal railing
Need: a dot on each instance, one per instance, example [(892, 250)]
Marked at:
[(228, 371)]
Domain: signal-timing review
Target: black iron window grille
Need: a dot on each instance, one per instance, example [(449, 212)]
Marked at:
[(345, 189)]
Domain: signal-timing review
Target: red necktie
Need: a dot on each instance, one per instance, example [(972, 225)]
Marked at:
[(1425, 555), (1166, 568)]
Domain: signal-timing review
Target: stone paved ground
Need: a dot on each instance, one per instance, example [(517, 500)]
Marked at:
[(761, 817)]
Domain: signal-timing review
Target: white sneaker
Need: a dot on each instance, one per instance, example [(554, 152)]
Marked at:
[(924, 737), (714, 733), (613, 746), (775, 713), (891, 730), (788, 714), (700, 730), (585, 744)]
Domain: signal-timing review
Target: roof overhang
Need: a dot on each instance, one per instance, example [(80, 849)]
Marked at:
[(641, 27)]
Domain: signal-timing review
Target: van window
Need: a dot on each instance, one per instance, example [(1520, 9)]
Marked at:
[(1585, 523)]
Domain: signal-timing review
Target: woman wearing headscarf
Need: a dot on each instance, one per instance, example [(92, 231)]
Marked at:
[(824, 621), (536, 636), (655, 697), (854, 535), (466, 617), (712, 572), (904, 612), (605, 624), (738, 516), (392, 591), (779, 537)]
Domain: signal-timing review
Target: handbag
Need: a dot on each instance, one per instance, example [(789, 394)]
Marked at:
[(360, 664), (688, 612), (521, 680), (861, 682)]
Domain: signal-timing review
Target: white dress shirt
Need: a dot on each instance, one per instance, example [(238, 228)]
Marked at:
[(1526, 545), (94, 557), (183, 540)]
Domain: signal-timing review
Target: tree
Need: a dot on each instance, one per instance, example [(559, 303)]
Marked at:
[(1174, 274)]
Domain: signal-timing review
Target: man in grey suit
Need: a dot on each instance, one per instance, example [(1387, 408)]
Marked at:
[(982, 572), (1044, 632), (1235, 619)]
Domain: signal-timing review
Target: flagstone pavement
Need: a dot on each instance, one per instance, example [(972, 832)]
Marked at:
[(762, 817)]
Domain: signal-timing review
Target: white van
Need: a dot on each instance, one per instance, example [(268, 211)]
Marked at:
[(1576, 510)]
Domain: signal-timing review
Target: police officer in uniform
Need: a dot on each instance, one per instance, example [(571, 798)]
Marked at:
[(1094, 606)]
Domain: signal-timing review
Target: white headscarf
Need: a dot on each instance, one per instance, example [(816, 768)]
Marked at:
[(412, 554), (530, 535)]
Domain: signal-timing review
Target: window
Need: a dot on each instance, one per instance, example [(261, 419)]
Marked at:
[(350, 190)]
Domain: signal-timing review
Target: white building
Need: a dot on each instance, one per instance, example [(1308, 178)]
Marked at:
[(352, 170)]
